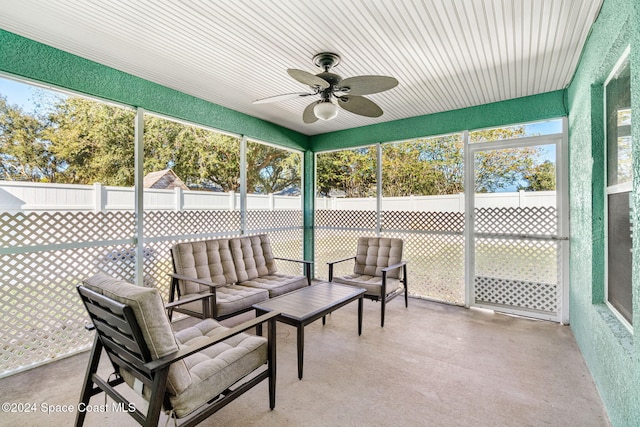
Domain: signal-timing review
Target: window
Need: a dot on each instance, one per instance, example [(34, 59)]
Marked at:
[(619, 176)]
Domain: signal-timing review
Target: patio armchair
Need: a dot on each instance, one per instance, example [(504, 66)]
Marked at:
[(191, 373), (378, 268)]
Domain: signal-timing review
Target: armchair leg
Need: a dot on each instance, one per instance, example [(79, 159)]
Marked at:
[(406, 286), (272, 362), (92, 368), (383, 303)]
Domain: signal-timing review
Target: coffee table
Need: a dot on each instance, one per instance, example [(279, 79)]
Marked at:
[(306, 305)]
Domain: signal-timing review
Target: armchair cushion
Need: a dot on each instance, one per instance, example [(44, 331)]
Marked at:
[(375, 253), (212, 369), (373, 284)]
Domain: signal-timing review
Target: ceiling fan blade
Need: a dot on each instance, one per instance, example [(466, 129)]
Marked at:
[(308, 116), (308, 78), (282, 97), (360, 105), (365, 85)]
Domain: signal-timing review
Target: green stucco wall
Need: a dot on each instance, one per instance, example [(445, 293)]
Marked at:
[(26, 58), (520, 110), (610, 351)]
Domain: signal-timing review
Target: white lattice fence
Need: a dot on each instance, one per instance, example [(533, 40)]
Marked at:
[(191, 222), (42, 317), (529, 220), (43, 256)]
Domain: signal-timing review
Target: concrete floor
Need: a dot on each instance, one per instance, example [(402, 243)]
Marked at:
[(431, 365)]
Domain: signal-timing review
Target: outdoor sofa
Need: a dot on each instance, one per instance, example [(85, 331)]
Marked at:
[(221, 278)]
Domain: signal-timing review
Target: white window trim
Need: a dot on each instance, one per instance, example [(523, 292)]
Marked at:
[(612, 189)]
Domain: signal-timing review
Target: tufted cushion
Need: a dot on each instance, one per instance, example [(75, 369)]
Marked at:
[(209, 259), (375, 253), (277, 284), (148, 309), (252, 257), (216, 368), (373, 284)]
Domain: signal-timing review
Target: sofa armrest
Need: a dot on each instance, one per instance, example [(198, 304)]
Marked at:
[(196, 280), (171, 358), (294, 260), (307, 266), (188, 299)]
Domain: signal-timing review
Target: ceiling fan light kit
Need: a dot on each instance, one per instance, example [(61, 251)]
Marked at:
[(325, 110), (334, 91)]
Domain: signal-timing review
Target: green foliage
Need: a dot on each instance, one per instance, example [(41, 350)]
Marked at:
[(81, 141), (93, 142), (543, 177), (433, 166)]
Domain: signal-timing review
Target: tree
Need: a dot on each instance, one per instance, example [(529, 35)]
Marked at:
[(271, 170), (24, 152), (543, 177), (352, 172), (429, 166), (93, 141)]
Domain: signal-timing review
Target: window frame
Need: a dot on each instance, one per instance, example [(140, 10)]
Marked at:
[(617, 188)]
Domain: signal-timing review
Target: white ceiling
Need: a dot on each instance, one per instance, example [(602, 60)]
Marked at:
[(446, 54)]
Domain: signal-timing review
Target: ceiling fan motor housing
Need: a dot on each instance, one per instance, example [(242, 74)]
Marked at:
[(326, 60)]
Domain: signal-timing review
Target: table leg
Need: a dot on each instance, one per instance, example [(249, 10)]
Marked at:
[(360, 304), (300, 349)]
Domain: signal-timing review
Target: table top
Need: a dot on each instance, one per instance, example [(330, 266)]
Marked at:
[(310, 300)]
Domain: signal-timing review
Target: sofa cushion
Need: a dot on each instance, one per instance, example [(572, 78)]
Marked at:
[(277, 284), (216, 368), (148, 308), (252, 257), (375, 253), (208, 259)]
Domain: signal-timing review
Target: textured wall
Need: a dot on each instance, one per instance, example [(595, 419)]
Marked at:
[(611, 353), (527, 109), (27, 58)]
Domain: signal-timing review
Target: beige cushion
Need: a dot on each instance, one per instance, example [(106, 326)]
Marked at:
[(209, 259), (148, 309), (375, 253), (277, 284), (252, 257), (216, 368), (373, 284), (231, 299)]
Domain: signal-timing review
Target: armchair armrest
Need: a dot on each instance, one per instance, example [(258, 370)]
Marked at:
[(394, 266), (341, 260), (330, 263), (171, 358)]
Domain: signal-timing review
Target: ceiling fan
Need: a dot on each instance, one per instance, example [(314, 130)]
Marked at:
[(334, 91)]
